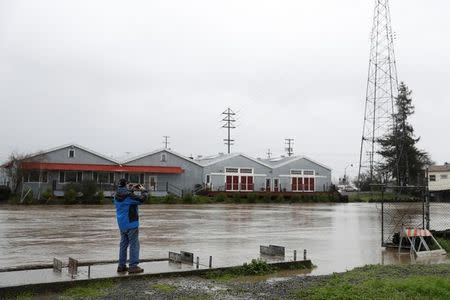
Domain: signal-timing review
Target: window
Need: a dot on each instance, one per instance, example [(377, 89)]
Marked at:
[(36, 176), (246, 170), (208, 179), (111, 178), (102, 177), (71, 153), (70, 176), (432, 177), (231, 170), (444, 176), (136, 178), (296, 172), (163, 157), (308, 172)]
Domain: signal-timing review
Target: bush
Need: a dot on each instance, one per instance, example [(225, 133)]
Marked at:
[(188, 198), (252, 198), (99, 198), (170, 199), (70, 196), (5, 193), (89, 190), (256, 267), (47, 196), (220, 197)]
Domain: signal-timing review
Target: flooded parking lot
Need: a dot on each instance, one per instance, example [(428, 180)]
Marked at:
[(337, 236)]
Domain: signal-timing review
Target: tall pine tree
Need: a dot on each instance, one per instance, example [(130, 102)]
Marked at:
[(402, 160)]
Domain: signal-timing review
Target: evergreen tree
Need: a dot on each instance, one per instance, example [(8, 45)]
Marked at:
[(402, 160)]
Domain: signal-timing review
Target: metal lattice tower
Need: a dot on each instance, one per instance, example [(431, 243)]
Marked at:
[(382, 89)]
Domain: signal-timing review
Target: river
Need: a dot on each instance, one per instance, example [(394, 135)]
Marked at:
[(337, 237)]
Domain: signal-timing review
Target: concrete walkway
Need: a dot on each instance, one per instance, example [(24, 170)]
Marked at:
[(29, 277)]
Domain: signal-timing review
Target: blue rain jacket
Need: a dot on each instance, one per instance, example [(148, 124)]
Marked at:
[(127, 208)]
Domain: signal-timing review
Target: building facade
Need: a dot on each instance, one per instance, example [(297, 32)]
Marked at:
[(165, 171)]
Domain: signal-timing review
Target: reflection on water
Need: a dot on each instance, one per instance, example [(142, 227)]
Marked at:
[(337, 236)]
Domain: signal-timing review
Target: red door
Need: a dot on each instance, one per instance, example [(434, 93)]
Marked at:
[(243, 183), (311, 184), (235, 183), (306, 184), (294, 184), (301, 184), (249, 183), (228, 184), (275, 185)]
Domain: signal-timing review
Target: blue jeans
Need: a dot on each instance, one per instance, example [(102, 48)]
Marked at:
[(130, 238)]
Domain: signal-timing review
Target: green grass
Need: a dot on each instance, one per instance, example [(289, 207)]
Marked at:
[(90, 290), (164, 287), (445, 244), (384, 282), (25, 295), (257, 267), (376, 197)]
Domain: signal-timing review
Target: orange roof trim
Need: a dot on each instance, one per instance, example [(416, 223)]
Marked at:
[(101, 168)]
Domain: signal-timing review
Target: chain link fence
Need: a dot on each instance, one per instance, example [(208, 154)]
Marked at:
[(410, 208)]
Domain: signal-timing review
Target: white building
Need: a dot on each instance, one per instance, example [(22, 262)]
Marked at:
[(439, 178)]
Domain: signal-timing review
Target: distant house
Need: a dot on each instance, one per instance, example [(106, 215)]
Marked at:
[(239, 172), (165, 171), (439, 178)]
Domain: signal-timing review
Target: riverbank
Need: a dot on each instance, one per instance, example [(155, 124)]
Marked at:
[(369, 282), (217, 198)]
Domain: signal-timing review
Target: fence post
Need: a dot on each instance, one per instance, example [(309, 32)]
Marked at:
[(382, 217), (427, 202)]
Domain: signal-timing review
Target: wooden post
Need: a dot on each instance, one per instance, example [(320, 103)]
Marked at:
[(210, 262), (89, 271), (295, 255), (304, 254), (198, 262)]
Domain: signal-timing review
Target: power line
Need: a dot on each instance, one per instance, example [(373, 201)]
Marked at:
[(229, 124), (289, 149), (166, 141)]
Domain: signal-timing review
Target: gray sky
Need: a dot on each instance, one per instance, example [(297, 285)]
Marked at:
[(117, 76)]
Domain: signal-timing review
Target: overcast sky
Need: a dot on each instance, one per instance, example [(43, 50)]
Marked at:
[(117, 76)]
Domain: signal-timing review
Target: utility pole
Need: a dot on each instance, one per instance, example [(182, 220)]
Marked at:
[(381, 90), (166, 141), (289, 143), (269, 154), (229, 124)]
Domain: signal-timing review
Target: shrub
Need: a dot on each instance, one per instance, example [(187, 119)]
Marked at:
[(89, 190), (99, 197), (296, 199), (188, 198), (170, 199), (47, 196), (256, 267), (5, 193), (70, 196), (220, 197), (252, 198)]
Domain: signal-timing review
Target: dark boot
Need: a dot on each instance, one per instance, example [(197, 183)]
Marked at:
[(135, 270)]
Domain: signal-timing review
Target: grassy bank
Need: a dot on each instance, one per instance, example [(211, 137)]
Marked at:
[(377, 197), (369, 282), (244, 198), (384, 282)]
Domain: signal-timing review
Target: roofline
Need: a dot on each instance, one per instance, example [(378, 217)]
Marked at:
[(161, 150), (225, 157), (72, 145), (295, 158)]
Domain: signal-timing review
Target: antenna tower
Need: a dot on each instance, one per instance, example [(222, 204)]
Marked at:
[(289, 149), (229, 124), (382, 89)]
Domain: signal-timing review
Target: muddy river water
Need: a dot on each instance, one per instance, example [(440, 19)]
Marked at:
[(337, 236)]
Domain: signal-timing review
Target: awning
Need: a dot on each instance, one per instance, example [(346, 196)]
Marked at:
[(101, 168)]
